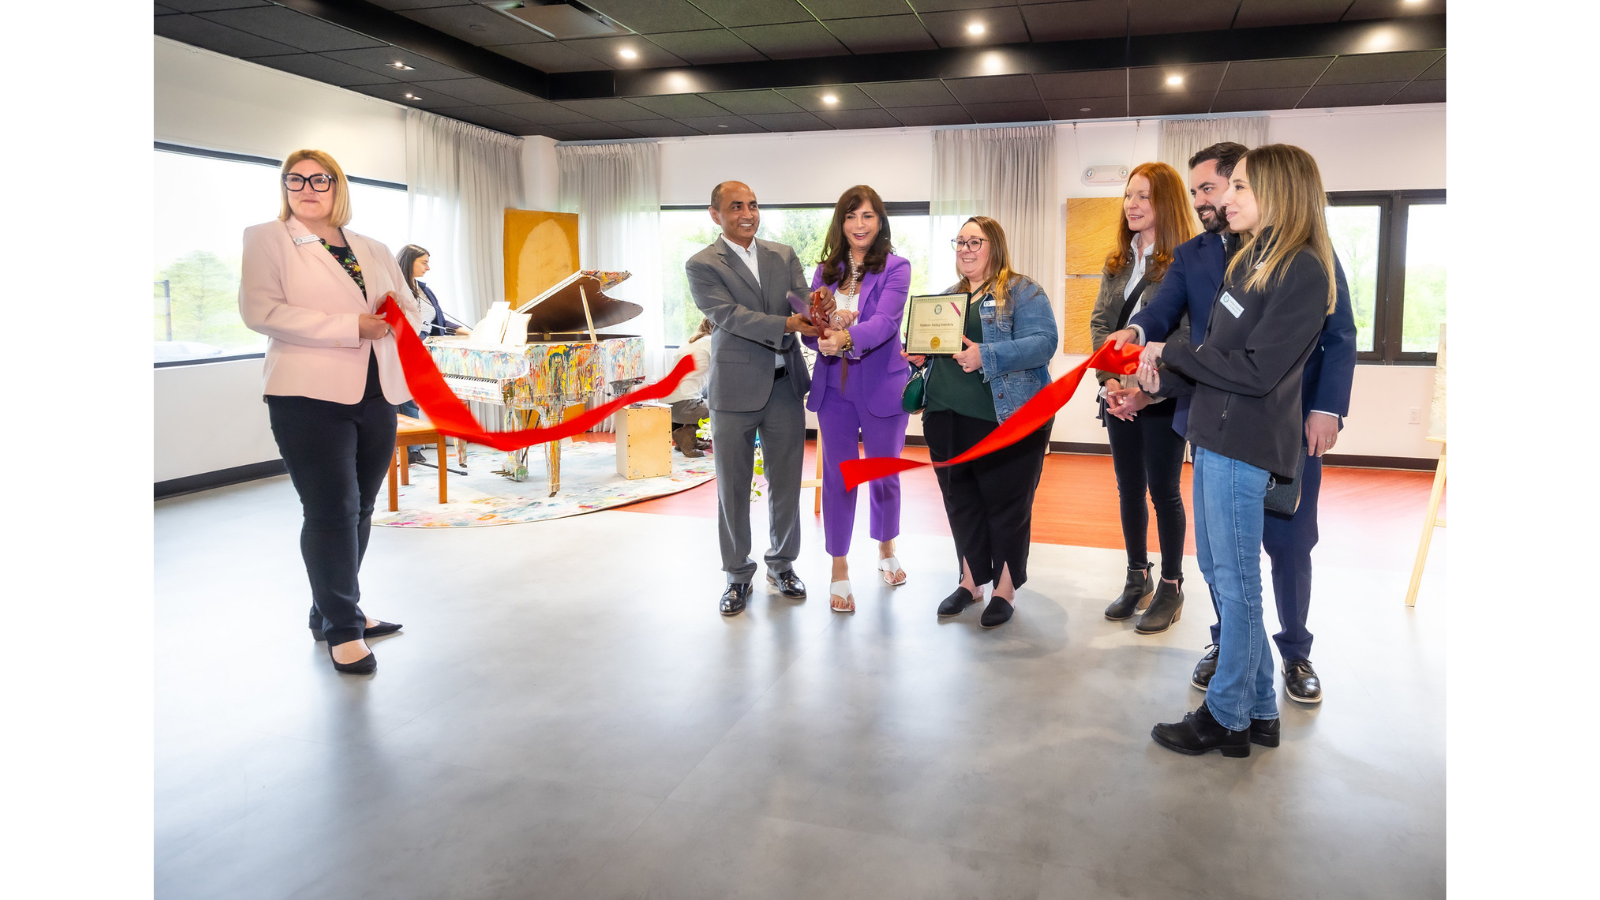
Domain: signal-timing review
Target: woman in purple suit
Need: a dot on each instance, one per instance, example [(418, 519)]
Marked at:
[(859, 377)]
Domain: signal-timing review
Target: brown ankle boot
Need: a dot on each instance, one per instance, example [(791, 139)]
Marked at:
[(683, 439)]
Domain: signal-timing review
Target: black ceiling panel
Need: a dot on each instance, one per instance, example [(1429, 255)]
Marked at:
[(219, 38), (1257, 99), (553, 56), (417, 4), (706, 47), (546, 113), (679, 106), (1420, 91), (1077, 20), (1262, 74), (1170, 16), (792, 41), (1087, 107), (488, 118), (321, 68), (752, 103), (923, 6), (191, 6), (734, 13), (1016, 111), (1196, 79), (550, 131), (289, 27), (1374, 68), (609, 110), (859, 118), (661, 128), (722, 125), (1268, 13), (166, 10), (481, 91), (910, 93), (1350, 94), (1102, 83), (421, 99), (993, 89), (1001, 25), (849, 9), (1169, 104), (476, 25), (598, 131), (1435, 72), (846, 96), (800, 121), (609, 50), (881, 34), (1383, 9), (379, 60), (932, 115), (653, 16)]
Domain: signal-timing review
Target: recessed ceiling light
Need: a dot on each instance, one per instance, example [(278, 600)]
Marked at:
[(829, 98), (975, 28), (412, 97), (1174, 80), (1083, 109), (628, 53), (722, 126), (397, 64)]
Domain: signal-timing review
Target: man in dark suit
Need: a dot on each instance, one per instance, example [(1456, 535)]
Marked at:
[(1191, 284), (758, 385)]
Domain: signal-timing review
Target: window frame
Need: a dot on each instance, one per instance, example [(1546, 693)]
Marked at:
[(1388, 314)]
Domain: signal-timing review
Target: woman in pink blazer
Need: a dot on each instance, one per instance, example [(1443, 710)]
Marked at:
[(859, 378), (332, 382)]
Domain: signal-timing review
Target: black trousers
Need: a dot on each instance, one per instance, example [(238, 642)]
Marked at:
[(337, 456), (1148, 457), (989, 500)]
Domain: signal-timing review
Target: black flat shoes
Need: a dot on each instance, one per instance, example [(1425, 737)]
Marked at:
[(998, 612), (366, 665), (378, 630), (956, 602)]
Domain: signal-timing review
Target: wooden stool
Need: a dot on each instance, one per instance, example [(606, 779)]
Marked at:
[(409, 432)]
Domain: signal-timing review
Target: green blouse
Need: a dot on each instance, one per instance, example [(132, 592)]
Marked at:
[(954, 390)]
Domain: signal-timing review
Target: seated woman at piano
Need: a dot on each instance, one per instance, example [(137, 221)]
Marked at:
[(435, 321)]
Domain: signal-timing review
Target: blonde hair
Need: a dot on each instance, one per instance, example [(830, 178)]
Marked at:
[(341, 194), (1000, 274), (1290, 199)]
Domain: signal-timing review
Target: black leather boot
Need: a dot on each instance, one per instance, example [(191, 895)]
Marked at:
[(1135, 595), (1200, 732), (1166, 608)]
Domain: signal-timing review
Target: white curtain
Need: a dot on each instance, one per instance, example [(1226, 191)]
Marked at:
[(616, 191), (1007, 174), (460, 179), (1183, 138)]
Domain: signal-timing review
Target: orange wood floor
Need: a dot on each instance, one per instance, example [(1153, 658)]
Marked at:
[(1370, 518)]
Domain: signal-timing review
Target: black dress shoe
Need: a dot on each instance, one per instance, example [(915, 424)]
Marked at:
[(1166, 608), (1135, 595), (735, 598), (1301, 681), (1200, 732), (956, 602), (788, 584), (998, 612), (378, 630), (1265, 732), (366, 665), (416, 456), (1205, 668)]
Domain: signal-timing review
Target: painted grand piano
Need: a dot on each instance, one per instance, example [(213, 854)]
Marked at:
[(548, 357)]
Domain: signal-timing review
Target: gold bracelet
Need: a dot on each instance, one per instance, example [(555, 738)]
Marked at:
[(849, 342)]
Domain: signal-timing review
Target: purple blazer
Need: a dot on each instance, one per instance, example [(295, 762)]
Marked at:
[(878, 374)]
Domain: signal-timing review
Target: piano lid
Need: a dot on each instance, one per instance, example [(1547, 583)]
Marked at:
[(560, 309)]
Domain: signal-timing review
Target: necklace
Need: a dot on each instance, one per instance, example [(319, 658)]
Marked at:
[(855, 275)]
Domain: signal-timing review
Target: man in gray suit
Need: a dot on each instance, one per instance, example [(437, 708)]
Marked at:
[(758, 384)]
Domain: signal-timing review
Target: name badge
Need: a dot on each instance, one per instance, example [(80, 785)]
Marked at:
[(1231, 304), (987, 304), (307, 239)]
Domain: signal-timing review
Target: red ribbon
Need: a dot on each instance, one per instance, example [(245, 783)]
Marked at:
[(447, 413), (1025, 421)]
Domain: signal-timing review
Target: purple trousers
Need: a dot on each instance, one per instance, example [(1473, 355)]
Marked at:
[(846, 424)]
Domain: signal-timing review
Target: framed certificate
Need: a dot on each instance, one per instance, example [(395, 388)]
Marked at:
[(934, 323)]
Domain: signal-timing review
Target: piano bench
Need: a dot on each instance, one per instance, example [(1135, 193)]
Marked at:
[(409, 432)]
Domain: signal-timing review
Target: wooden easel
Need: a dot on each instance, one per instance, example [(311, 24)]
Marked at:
[(1428, 525)]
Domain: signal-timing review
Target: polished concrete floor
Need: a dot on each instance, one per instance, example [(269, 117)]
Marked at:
[(566, 716)]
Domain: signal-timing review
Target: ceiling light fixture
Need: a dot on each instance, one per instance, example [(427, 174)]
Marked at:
[(975, 28), (397, 64), (412, 97), (1174, 80), (1083, 109), (829, 98), (628, 53)]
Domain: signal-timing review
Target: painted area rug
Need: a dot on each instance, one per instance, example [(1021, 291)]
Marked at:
[(589, 482)]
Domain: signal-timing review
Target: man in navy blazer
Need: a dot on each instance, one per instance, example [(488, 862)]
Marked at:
[(1191, 284)]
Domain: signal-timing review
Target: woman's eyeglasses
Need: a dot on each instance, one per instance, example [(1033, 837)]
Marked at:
[(319, 183), (973, 245)]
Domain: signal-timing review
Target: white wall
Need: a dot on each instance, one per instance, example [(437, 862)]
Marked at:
[(210, 417), (802, 167)]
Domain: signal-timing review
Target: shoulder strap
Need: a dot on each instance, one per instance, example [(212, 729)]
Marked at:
[(1131, 302)]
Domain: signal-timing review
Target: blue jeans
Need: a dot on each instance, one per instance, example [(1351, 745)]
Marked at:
[(1229, 513)]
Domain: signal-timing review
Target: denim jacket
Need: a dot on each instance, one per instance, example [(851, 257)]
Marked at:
[(1017, 344)]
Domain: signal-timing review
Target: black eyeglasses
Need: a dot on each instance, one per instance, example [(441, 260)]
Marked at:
[(973, 245), (319, 183)]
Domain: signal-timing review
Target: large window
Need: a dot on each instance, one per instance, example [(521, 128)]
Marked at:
[(1392, 247), (685, 231), (203, 203)]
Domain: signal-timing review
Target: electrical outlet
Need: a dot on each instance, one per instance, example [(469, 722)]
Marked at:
[(1415, 417)]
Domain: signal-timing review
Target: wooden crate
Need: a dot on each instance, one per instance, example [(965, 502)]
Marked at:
[(644, 441)]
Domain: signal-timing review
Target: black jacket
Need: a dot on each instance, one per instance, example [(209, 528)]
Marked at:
[(1245, 374)]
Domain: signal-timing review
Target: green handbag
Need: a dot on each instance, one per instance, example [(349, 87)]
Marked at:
[(915, 396)]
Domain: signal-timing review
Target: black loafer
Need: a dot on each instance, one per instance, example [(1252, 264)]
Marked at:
[(378, 630), (998, 612), (735, 598), (1200, 732), (1265, 732), (1205, 668), (366, 665), (788, 584), (956, 602), (1301, 681), (1135, 595)]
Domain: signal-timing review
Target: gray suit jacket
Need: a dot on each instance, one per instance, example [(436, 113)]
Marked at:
[(750, 320)]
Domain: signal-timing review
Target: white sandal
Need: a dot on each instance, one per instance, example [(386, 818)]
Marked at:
[(888, 567), (841, 590)]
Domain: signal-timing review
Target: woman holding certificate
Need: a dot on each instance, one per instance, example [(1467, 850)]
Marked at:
[(1007, 339), (860, 375)]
